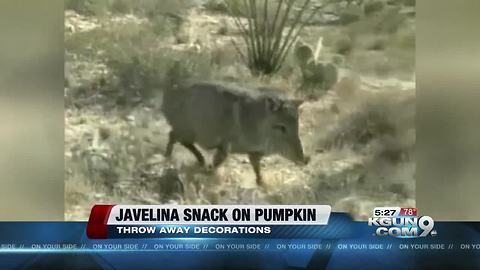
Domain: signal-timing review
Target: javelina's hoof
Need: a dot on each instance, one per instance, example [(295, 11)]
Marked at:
[(302, 162), (261, 184), (170, 184), (167, 156), (210, 169)]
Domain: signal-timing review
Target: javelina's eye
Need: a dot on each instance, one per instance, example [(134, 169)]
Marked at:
[(282, 128)]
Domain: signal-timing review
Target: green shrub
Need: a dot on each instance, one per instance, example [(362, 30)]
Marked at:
[(352, 13), (343, 45), (386, 21), (88, 7), (373, 6), (382, 122), (138, 66), (150, 8), (216, 6), (122, 6), (142, 72)]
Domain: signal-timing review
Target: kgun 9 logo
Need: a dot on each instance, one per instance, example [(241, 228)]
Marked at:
[(403, 227)]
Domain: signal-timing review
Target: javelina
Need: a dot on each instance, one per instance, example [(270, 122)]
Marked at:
[(232, 119)]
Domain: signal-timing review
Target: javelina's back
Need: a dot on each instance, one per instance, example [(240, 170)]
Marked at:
[(209, 114)]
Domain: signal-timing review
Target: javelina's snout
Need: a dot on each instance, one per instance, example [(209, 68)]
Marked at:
[(302, 161), (296, 153), (305, 161)]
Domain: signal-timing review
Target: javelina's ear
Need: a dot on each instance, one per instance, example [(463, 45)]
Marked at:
[(272, 104), (297, 102)]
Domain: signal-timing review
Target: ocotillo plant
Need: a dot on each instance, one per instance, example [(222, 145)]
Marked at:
[(269, 33)]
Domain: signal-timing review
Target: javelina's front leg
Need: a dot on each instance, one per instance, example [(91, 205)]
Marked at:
[(171, 142), (195, 152), (255, 158), (220, 156)]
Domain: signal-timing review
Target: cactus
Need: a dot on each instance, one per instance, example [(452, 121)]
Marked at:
[(331, 75), (303, 53), (315, 73), (320, 74)]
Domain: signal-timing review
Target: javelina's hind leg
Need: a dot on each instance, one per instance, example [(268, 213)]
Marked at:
[(255, 158), (220, 156), (195, 152), (171, 142)]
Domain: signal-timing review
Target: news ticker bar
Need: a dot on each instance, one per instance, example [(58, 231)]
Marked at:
[(154, 221), (241, 245)]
